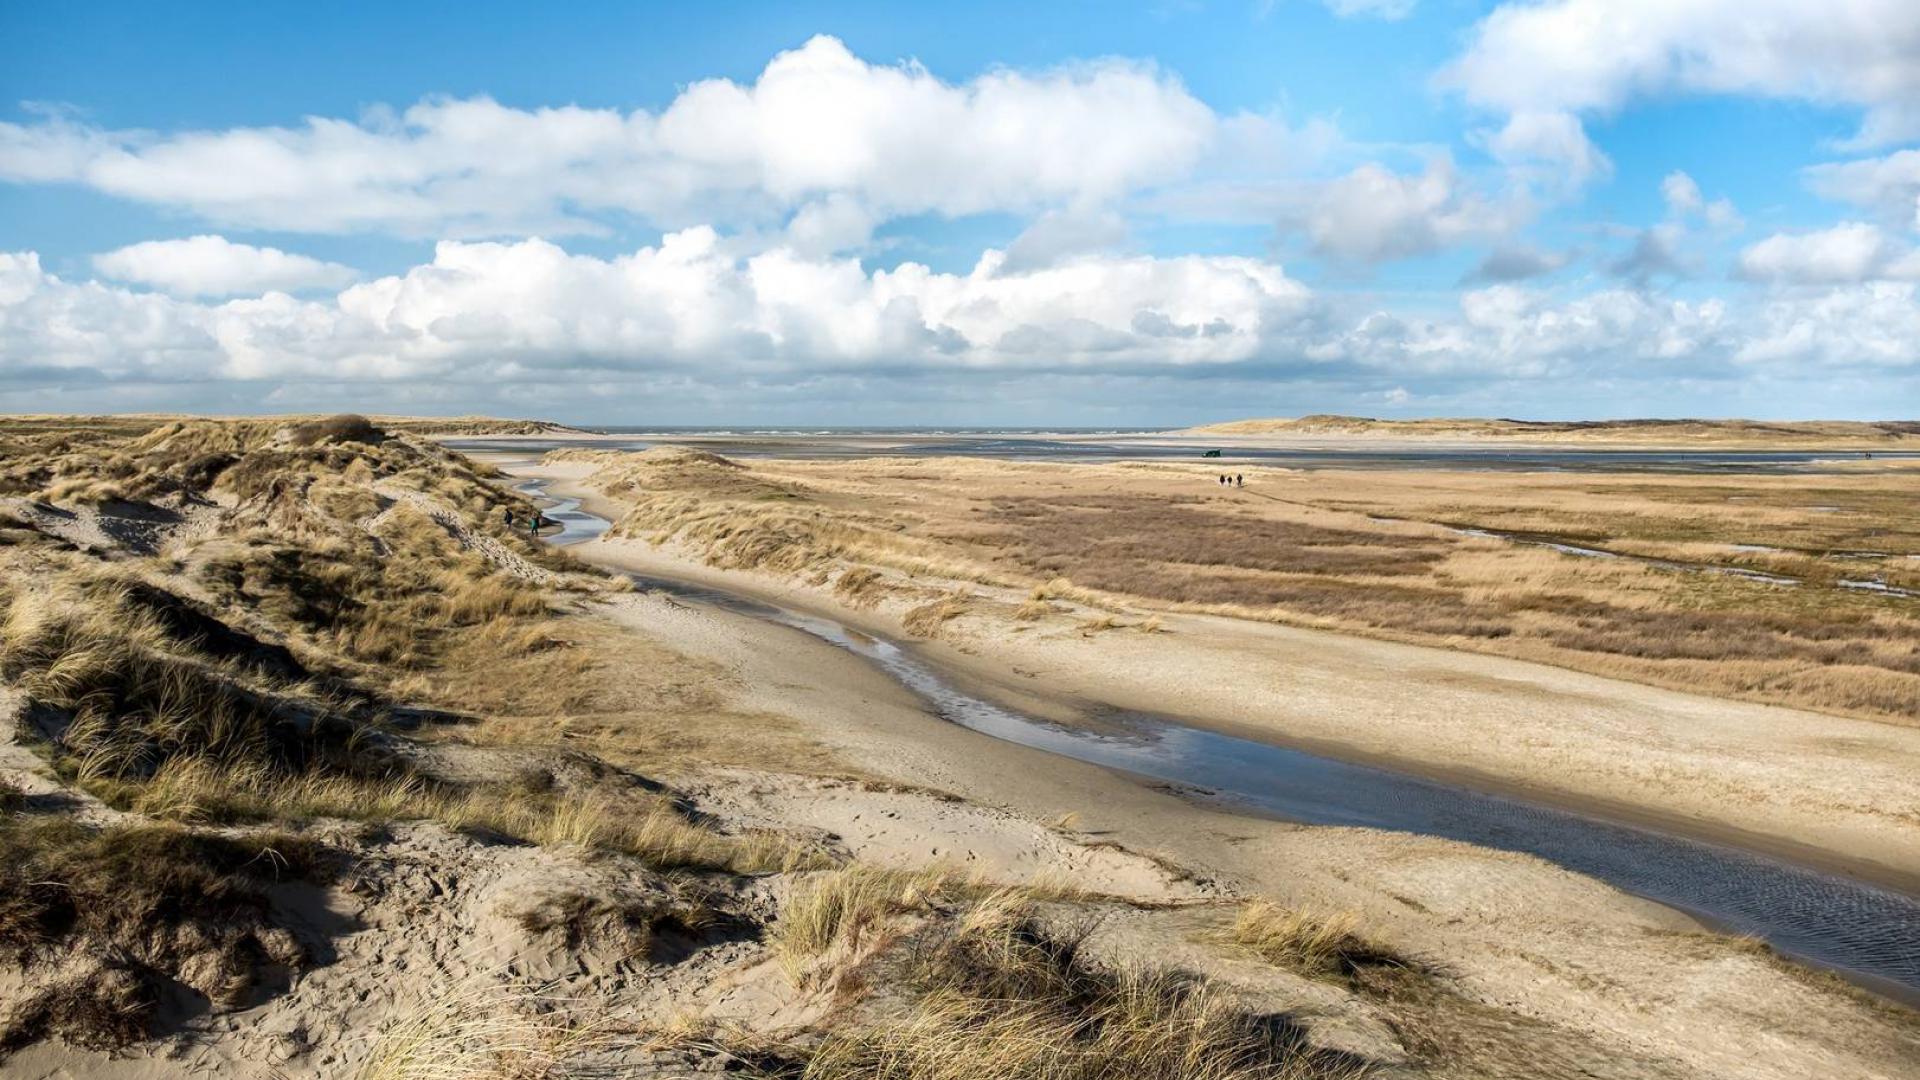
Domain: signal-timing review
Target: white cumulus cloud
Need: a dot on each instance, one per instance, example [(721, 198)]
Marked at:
[(1889, 186), (216, 266), (1860, 327), (1684, 200), (1546, 64), (1682, 194), (1553, 138), (1374, 214), (529, 321), (1846, 253), (819, 126), (516, 311)]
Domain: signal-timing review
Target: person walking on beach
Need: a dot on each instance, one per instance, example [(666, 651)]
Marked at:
[(1239, 480)]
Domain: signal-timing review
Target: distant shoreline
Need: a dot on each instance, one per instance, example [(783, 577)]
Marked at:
[(1320, 432), (1595, 434), (1213, 437)]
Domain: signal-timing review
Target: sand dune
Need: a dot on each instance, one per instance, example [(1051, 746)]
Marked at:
[(1757, 434)]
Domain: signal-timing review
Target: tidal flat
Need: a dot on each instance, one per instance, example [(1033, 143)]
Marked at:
[(317, 756)]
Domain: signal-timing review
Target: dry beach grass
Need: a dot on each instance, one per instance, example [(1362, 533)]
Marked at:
[(201, 680), (310, 766), (326, 636)]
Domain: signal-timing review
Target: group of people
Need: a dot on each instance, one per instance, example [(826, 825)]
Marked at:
[(534, 522), (1236, 480)]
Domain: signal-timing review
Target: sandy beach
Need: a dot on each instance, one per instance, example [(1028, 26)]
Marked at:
[(1549, 944), (491, 795)]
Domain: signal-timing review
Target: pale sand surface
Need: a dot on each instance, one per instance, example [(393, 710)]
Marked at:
[(1513, 931), (1827, 790)]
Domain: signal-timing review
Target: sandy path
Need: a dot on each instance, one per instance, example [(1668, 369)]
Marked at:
[(495, 552)]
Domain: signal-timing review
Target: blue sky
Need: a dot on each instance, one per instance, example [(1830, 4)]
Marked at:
[(997, 213)]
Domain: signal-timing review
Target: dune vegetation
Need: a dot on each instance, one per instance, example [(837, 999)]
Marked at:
[(217, 632), (1002, 991), (284, 697)]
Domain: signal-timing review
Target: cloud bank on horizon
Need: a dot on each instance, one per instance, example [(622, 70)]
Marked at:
[(1090, 238)]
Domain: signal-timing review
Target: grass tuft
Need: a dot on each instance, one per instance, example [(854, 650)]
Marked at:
[(927, 619), (1003, 996), (860, 586), (656, 833), (1312, 944), (121, 912), (851, 910), (485, 1033), (649, 828)]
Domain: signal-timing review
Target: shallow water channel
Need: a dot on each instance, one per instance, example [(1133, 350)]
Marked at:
[(576, 525), (1868, 933)]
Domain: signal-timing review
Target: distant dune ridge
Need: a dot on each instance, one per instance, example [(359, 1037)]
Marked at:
[(134, 424), (1657, 432)]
